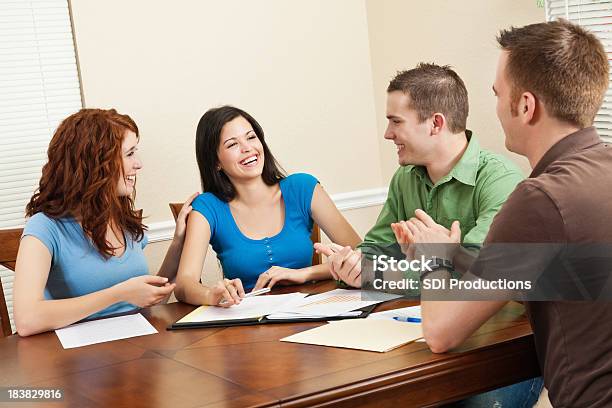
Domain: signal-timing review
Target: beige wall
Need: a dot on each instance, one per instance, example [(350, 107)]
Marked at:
[(300, 67), (459, 33), (313, 72)]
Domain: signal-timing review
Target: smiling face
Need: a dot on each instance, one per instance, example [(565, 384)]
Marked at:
[(240, 153), (131, 164), (411, 136)]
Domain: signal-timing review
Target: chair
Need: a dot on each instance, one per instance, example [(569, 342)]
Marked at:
[(9, 245), (315, 235)]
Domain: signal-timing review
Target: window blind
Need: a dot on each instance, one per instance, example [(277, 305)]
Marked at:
[(596, 16), (39, 86)]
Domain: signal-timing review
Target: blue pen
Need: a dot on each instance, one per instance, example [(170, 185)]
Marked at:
[(407, 319)]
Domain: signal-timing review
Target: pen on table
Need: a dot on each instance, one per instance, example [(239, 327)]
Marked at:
[(251, 294), (407, 319), (257, 292)]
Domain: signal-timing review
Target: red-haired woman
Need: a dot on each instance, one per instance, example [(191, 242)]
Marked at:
[(81, 254)]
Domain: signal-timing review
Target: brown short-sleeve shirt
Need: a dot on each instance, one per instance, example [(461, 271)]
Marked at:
[(567, 199)]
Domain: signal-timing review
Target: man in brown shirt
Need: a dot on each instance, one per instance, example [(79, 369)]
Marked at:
[(550, 83)]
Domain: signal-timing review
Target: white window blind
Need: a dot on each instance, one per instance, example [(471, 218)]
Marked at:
[(39, 86), (596, 16)]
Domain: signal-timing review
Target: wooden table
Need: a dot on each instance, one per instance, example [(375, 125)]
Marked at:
[(248, 366)]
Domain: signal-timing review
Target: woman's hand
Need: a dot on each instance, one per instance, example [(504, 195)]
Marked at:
[(181, 220), (169, 267), (226, 293), (277, 274), (144, 291)]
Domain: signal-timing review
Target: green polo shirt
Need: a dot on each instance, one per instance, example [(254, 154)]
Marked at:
[(472, 193)]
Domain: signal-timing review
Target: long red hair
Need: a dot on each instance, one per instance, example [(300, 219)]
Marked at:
[(81, 176)]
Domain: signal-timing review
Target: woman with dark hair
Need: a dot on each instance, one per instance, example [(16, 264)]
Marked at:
[(81, 253), (257, 219)]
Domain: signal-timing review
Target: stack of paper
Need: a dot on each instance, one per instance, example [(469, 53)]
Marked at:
[(289, 315), (249, 308), (361, 334), (103, 330), (339, 302)]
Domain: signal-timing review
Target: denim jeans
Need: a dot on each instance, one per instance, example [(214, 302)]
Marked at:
[(520, 395)]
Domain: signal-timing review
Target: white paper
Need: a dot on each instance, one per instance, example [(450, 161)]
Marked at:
[(103, 330), (283, 315), (411, 311), (337, 302), (249, 308)]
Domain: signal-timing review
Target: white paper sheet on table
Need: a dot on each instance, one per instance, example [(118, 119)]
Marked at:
[(336, 302), (103, 330), (411, 311), (249, 308)]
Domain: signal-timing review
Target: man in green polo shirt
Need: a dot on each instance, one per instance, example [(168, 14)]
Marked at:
[(443, 169)]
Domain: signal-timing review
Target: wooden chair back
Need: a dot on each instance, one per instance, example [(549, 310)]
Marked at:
[(176, 209), (315, 235), (9, 245)]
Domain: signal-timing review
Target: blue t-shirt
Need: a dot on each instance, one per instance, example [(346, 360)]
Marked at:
[(245, 258), (77, 268)]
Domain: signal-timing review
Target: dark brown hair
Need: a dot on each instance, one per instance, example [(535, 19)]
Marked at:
[(433, 88), (81, 175), (562, 64), (208, 137)]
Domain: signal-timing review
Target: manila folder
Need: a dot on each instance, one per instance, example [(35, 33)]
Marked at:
[(361, 334)]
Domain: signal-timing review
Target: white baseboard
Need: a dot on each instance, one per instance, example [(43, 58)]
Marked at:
[(360, 199), (164, 230), (161, 231)]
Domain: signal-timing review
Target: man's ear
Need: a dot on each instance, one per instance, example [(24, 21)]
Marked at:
[(528, 108), (438, 121)]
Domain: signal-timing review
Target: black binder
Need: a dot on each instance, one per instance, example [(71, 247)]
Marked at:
[(365, 311)]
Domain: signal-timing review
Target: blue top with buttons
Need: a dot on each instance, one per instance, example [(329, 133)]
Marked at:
[(246, 258)]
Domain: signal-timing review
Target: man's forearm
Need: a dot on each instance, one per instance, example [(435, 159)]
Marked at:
[(448, 323)]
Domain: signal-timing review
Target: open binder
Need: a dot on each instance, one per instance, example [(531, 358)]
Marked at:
[(365, 311)]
